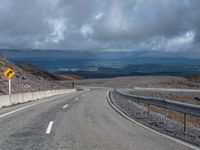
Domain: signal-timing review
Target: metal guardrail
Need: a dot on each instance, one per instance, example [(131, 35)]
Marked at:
[(182, 107)]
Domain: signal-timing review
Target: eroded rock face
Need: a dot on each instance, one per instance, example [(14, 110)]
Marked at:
[(25, 79)]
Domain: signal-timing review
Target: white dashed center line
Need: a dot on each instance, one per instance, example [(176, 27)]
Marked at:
[(65, 106), (76, 99), (49, 127)]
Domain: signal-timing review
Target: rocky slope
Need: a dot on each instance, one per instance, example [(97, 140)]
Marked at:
[(28, 78), (40, 72)]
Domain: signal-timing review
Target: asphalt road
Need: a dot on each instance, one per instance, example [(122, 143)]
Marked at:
[(79, 121)]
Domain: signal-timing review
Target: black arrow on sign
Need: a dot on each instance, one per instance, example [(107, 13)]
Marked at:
[(10, 72)]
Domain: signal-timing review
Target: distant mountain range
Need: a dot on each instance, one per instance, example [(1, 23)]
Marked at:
[(137, 70), (102, 64)]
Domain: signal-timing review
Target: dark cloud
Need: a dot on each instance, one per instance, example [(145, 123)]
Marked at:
[(159, 25)]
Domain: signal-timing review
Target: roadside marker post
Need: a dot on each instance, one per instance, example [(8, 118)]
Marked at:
[(9, 73)]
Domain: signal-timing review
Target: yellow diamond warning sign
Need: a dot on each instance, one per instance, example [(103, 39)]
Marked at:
[(9, 73)]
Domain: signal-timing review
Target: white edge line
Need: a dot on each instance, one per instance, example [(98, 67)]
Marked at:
[(9, 113), (65, 106), (152, 130), (48, 131)]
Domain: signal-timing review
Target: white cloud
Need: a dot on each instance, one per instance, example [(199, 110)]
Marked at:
[(57, 33), (58, 29), (86, 31), (101, 24), (179, 43), (115, 18), (99, 16)]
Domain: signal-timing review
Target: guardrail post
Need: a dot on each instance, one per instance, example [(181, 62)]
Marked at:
[(185, 122), (166, 115), (127, 104), (148, 111), (142, 109)]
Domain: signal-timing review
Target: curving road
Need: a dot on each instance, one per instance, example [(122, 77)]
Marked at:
[(79, 121)]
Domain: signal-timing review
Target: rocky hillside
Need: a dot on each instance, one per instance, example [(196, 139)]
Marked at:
[(40, 72), (28, 78)]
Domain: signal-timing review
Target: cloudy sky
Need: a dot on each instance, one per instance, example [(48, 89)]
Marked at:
[(156, 25)]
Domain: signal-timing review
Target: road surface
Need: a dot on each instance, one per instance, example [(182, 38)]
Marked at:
[(79, 121)]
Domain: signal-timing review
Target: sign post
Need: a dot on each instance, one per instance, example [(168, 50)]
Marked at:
[(9, 73), (9, 86)]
